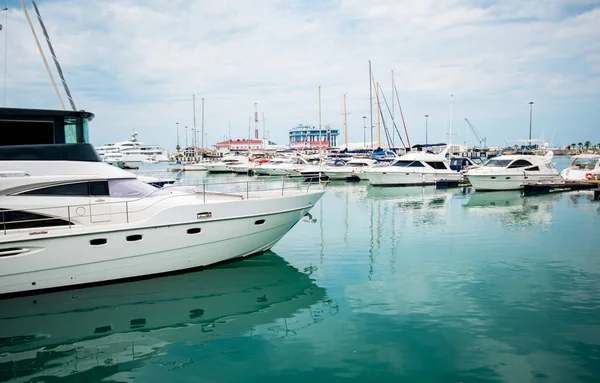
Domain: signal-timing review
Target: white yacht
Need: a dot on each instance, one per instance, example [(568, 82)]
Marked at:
[(352, 169), (283, 166), (513, 171), (134, 150), (583, 167), (70, 219), (413, 168), (318, 171), (223, 166)]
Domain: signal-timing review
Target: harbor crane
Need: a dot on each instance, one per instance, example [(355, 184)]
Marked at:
[(482, 141)]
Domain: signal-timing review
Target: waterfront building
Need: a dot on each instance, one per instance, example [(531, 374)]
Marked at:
[(245, 145), (310, 137)]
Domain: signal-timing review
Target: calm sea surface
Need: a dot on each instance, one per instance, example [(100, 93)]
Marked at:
[(389, 285)]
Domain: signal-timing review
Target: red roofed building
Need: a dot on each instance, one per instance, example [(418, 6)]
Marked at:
[(243, 145)]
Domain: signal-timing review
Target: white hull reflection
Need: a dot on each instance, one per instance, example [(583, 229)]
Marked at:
[(122, 325)]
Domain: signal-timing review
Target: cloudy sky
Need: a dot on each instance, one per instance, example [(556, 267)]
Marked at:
[(136, 64)]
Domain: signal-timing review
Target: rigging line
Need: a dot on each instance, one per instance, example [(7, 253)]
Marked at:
[(42, 54), (58, 68), (385, 129), (402, 114), (393, 121)]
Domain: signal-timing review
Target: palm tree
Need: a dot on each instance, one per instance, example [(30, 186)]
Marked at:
[(580, 145), (587, 144), (598, 145), (573, 145)]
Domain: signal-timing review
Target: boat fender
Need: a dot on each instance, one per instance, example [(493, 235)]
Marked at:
[(589, 176)]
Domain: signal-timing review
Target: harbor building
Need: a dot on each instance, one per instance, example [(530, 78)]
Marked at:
[(310, 137), (244, 145)]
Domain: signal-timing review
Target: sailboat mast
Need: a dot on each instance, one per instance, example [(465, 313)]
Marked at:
[(195, 135), (320, 131), (450, 139), (264, 132), (378, 118), (393, 130), (202, 138), (345, 121), (371, 101)]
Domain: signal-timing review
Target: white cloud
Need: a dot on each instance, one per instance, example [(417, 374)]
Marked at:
[(136, 64)]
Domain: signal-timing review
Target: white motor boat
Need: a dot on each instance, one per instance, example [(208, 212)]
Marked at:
[(352, 169), (284, 166), (413, 168), (223, 166), (583, 167), (318, 171), (513, 171), (70, 219), (198, 166)]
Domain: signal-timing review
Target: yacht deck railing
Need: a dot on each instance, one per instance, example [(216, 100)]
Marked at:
[(61, 216)]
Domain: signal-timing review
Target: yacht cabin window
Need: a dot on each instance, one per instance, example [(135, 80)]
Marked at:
[(520, 164), (405, 164), (497, 163), (437, 165), (79, 189), (13, 219)]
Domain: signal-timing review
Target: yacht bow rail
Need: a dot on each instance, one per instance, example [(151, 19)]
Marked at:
[(62, 216)]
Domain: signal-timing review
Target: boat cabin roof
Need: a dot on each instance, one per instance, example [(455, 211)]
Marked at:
[(43, 126)]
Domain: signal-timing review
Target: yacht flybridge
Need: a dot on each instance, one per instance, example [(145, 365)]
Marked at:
[(70, 219)]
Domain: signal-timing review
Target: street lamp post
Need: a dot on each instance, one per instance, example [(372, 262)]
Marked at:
[(365, 131), (426, 128), (530, 115), (177, 124)]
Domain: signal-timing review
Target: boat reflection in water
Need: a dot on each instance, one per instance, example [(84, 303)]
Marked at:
[(512, 209), (97, 332)]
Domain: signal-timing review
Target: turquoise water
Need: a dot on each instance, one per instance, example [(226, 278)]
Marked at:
[(392, 285)]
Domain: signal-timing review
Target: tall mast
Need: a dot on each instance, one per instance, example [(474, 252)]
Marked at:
[(450, 139), (249, 124), (378, 118), (393, 130), (195, 135), (264, 132), (320, 131), (202, 123), (345, 121), (229, 135), (371, 101)]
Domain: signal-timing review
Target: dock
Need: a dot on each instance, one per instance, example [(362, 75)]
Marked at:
[(533, 189)]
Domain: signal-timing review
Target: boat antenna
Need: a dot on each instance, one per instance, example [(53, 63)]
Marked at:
[(58, 68), (42, 54), (380, 119)]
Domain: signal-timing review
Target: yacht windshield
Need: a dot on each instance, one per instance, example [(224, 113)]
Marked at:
[(132, 187), (497, 163), (584, 163)]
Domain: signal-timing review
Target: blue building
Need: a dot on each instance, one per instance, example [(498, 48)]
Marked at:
[(310, 137)]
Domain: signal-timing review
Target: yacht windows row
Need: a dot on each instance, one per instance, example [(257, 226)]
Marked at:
[(118, 188)]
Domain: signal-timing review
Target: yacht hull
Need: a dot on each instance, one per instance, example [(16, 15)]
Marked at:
[(217, 168), (194, 167), (67, 260), (510, 181), (390, 178)]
